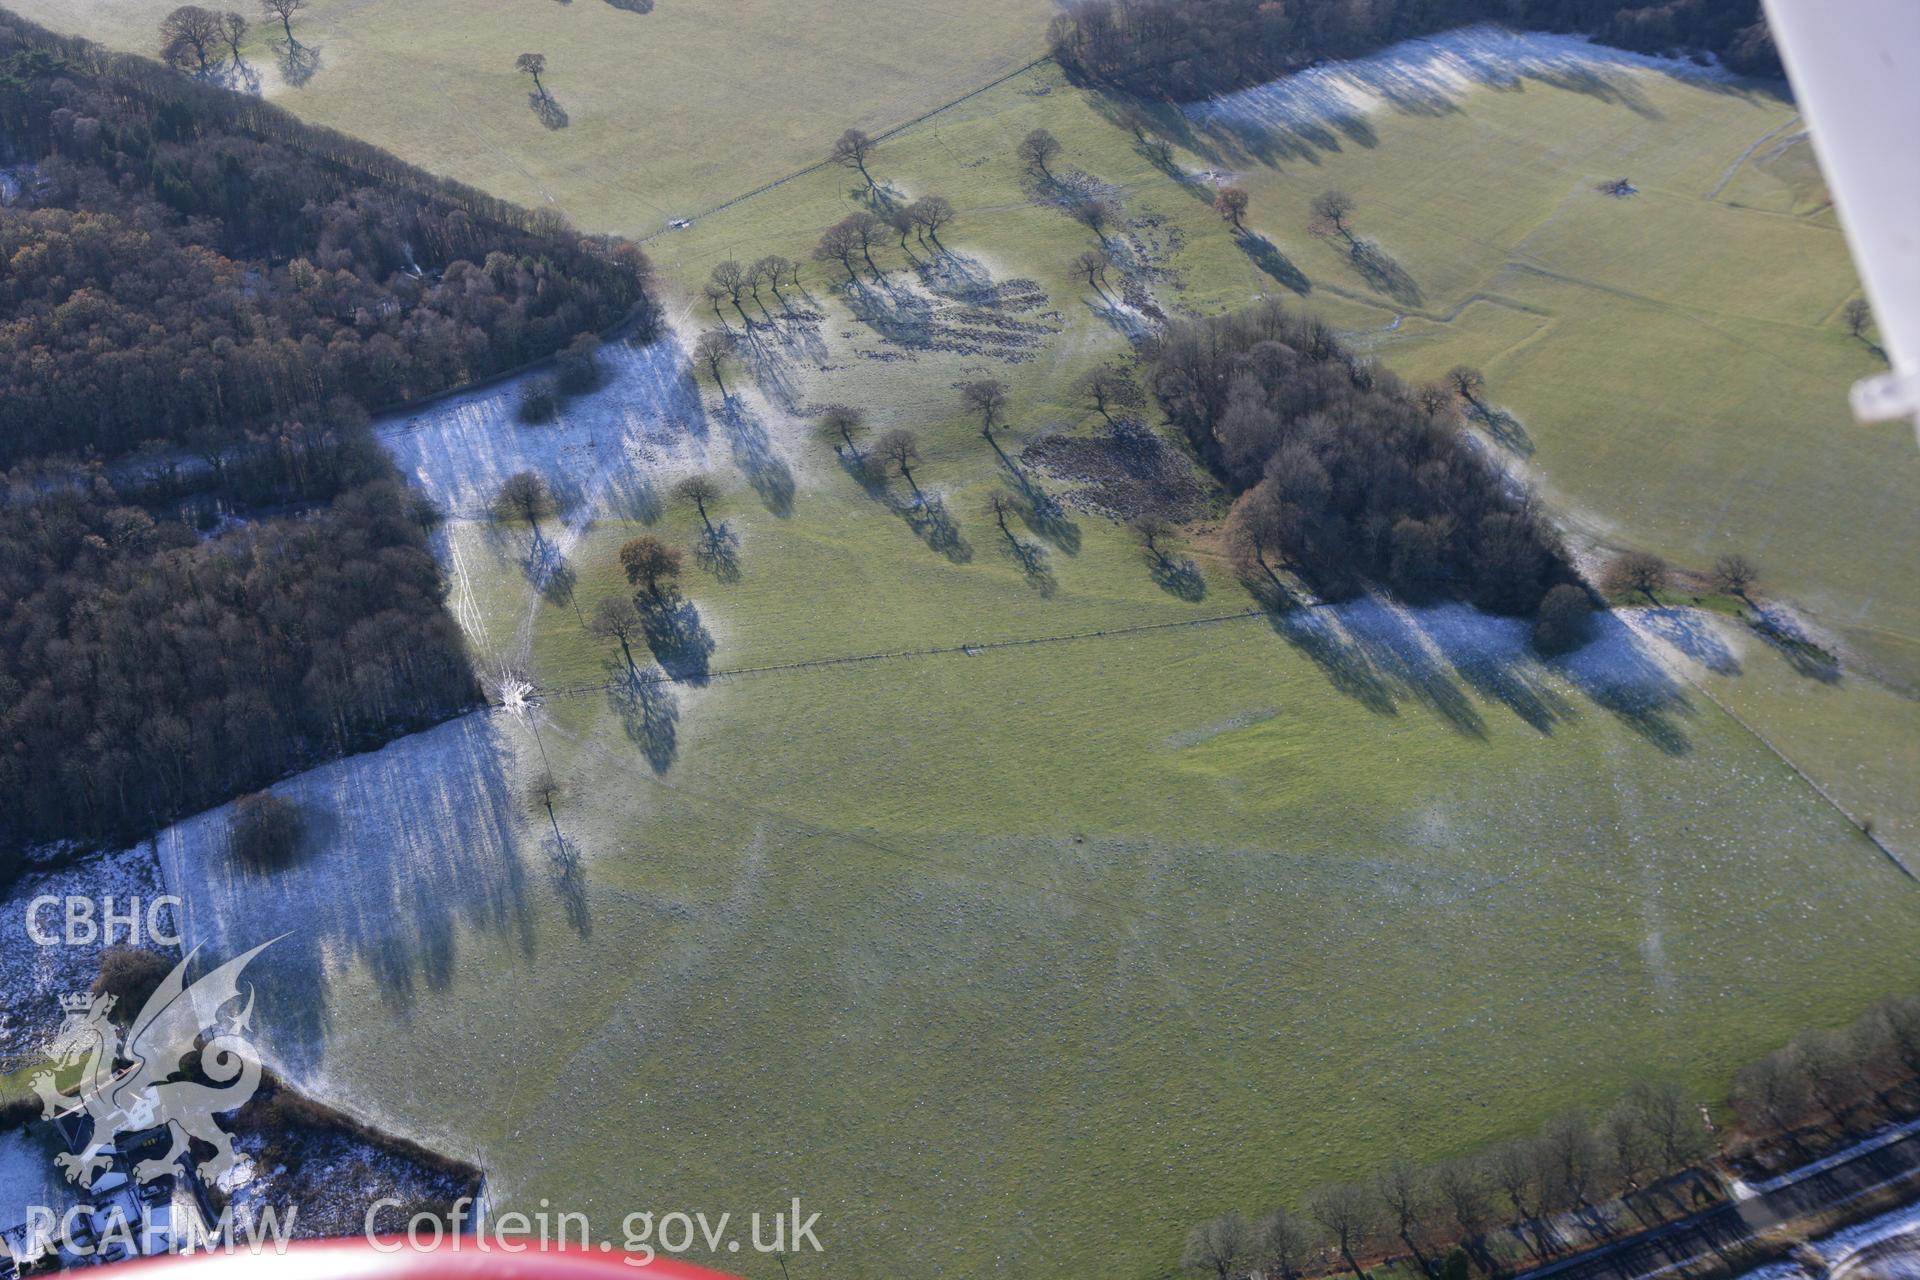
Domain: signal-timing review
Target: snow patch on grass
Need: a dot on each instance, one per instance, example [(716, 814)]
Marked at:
[(1430, 74)]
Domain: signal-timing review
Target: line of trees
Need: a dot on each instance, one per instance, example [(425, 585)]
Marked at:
[(1186, 49), (1341, 474), (1539, 1197)]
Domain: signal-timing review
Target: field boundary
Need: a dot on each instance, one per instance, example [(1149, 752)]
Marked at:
[(969, 649), (818, 165)]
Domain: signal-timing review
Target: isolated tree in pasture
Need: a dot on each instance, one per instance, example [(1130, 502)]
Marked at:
[(649, 563), (1278, 1249), (535, 65), (1231, 205), (852, 149), (1331, 211), (1346, 1215), (190, 37), (1562, 622), (265, 831), (1098, 213), (1857, 315), (234, 27), (701, 492), (841, 421), (1640, 571), (543, 789), (1037, 152), (1404, 1192), (988, 398), (1217, 1247), (1153, 533), (1093, 265), (1108, 389), (523, 496), (930, 213), (615, 618), (1735, 575), (900, 447), (712, 348), (284, 11)]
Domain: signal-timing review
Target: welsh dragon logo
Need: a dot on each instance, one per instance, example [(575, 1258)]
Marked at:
[(128, 1085)]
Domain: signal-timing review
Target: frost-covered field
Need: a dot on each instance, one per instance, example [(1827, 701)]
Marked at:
[(34, 976), (1428, 74)]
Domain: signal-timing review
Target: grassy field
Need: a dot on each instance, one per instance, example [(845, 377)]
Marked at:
[(667, 111), (1021, 957)]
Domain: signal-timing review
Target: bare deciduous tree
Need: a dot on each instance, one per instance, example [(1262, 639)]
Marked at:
[(1405, 1191), (1640, 571), (988, 396), (1346, 1214), (930, 213), (712, 348), (533, 64), (842, 421), (615, 618), (1467, 383), (1331, 209), (523, 496), (1038, 150), (234, 27), (900, 447), (1153, 533), (1279, 1246), (1857, 315), (1231, 204), (852, 149), (650, 563), (1735, 575), (1218, 1245), (1093, 265), (701, 492), (189, 37), (284, 11)]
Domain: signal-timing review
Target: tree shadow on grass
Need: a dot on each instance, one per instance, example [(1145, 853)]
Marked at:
[(298, 62), (548, 111), (681, 643), (649, 712), (1032, 559), (1267, 256), (754, 454), (546, 566), (1383, 274), (632, 6), (1504, 429), (1692, 635), (719, 552), (1180, 578), (569, 880), (927, 515)]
